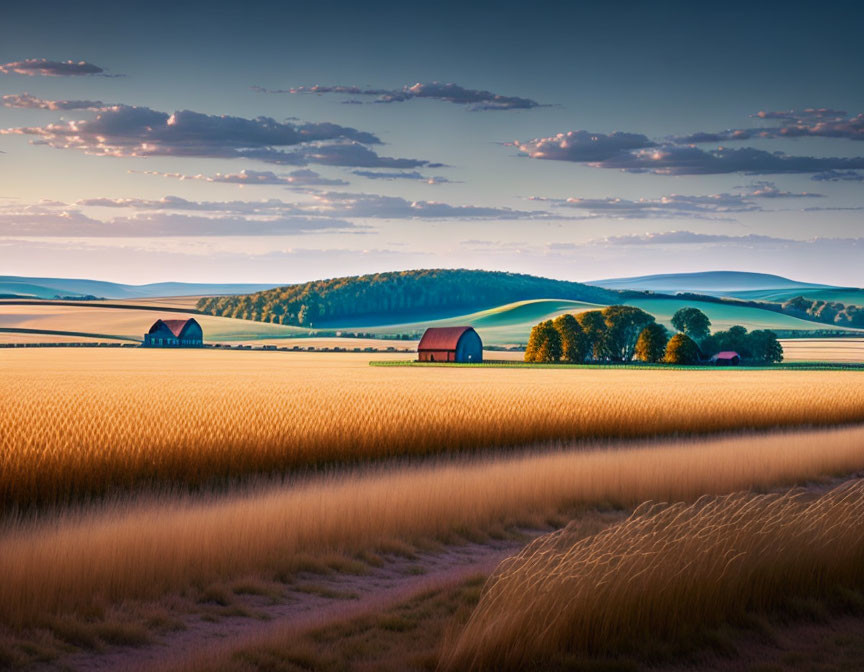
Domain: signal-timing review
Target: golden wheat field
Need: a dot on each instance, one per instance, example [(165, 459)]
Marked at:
[(84, 423), (667, 570), (152, 547)]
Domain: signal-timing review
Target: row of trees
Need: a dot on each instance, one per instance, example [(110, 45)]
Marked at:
[(831, 312), (625, 333)]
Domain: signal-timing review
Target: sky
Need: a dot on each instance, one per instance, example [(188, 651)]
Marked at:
[(285, 142)]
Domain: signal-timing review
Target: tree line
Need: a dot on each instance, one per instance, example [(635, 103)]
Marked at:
[(813, 310), (340, 300), (626, 333)]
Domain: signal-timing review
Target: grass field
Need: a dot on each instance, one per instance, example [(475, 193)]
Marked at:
[(142, 491), (665, 573), (132, 322), (81, 424), (846, 296), (503, 325), (120, 551), (823, 350)]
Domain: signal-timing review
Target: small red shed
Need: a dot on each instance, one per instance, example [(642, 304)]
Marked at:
[(726, 358), (450, 344)]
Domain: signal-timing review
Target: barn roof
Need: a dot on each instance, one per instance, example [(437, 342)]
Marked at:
[(176, 327), (727, 354), (442, 338)]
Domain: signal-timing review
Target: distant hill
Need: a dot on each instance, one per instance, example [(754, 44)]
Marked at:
[(719, 283), (390, 298), (49, 288)]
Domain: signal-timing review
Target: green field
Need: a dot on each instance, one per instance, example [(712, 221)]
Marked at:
[(851, 296), (509, 324)]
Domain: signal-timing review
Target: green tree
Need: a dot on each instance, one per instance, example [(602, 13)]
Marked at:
[(764, 346), (573, 342), (651, 345), (544, 344), (681, 349), (594, 330), (623, 326), (693, 322), (735, 339)]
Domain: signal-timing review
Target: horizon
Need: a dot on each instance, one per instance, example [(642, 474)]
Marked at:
[(666, 139), (277, 284)]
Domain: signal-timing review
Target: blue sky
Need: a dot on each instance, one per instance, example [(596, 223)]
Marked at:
[(573, 140)]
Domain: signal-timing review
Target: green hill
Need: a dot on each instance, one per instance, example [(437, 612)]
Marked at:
[(511, 324), (396, 298)]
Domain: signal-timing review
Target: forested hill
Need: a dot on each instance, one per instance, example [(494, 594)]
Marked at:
[(387, 296)]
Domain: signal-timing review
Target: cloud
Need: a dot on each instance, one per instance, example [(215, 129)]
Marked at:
[(807, 113), (714, 206), (838, 176), (324, 204), (748, 242), (26, 101), (764, 189), (689, 160), (810, 122), (72, 223), (296, 178), (709, 206), (403, 175), (42, 66), (124, 131), (391, 207), (583, 146), (689, 238), (474, 99)]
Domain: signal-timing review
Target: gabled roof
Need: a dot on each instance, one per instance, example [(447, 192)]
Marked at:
[(727, 354), (176, 327), (442, 338)]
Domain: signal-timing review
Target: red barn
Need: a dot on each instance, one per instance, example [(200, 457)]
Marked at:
[(726, 358), (174, 334), (450, 344)]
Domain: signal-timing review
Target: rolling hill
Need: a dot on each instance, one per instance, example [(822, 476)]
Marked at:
[(501, 306), (395, 298), (49, 288), (714, 283)]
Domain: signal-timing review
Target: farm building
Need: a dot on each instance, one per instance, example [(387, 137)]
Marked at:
[(450, 344), (726, 358), (174, 334)]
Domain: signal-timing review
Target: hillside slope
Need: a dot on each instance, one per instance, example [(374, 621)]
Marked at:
[(49, 288), (721, 283), (392, 298)]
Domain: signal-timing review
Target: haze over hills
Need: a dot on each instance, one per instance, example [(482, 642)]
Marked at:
[(49, 288), (708, 282)]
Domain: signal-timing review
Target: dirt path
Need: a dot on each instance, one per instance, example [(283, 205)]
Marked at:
[(311, 600)]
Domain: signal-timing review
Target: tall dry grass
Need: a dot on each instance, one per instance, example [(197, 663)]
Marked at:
[(663, 573), (152, 548), (79, 424)]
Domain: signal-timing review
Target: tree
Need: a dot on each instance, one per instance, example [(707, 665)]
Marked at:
[(735, 339), (764, 346), (574, 344), (693, 322), (681, 349), (544, 344), (623, 326), (534, 341), (594, 329), (651, 345), (550, 349)]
